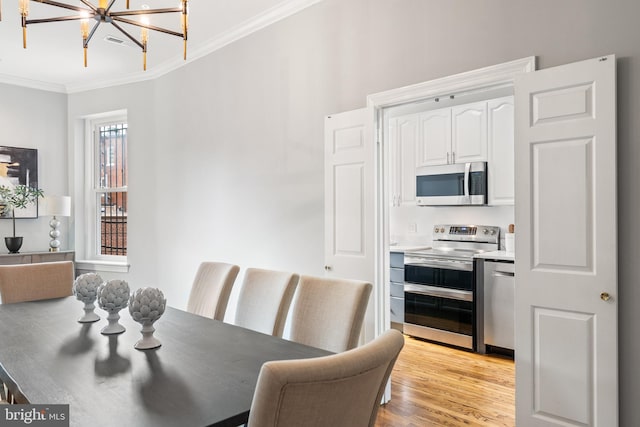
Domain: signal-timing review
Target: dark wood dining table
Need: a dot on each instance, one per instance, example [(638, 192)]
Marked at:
[(204, 374)]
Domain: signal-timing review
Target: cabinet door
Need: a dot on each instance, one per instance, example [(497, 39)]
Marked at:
[(408, 136), (469, 133), (500, 145), (403, 133), (434, 138)]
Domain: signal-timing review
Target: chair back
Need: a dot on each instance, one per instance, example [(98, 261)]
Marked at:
[(341, 390), (264, 300), (211, 289), (329, 313), (31, 282)]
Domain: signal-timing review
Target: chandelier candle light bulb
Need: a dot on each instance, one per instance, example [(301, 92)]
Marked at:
[(144, 37), (84, 29), (24, 12)]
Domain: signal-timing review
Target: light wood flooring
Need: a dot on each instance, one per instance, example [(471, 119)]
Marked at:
[(434, 385)]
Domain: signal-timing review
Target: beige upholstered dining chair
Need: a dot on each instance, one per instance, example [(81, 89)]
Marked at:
[(31, 282), (264, 300), (341, 390), (328, 313), (211, 289)]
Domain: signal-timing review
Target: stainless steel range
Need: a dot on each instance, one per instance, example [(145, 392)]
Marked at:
[(440, 284)]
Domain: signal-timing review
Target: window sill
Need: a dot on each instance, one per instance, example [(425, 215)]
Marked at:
[(107, 266)]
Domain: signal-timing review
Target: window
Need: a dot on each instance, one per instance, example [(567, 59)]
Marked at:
[(106, 192)]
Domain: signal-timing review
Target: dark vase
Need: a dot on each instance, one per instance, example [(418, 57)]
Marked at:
[(13, 244)]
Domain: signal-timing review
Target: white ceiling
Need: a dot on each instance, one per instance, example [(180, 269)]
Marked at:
[(53, 59)]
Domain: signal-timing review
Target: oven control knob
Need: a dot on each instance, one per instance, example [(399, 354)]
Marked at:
[(436, 230), (442, 229), (493, 232), (485, 231)]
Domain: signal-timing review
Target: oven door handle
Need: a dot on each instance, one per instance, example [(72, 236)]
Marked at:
[(434, 291), (440, 263)]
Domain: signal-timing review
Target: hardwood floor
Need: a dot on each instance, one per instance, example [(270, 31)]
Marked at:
[(434, 385)]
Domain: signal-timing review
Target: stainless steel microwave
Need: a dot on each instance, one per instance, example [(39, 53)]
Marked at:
[(458, 184)]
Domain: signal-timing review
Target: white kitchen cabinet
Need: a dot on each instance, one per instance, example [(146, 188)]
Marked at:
[(453, 135), (403, 134), (500, 145), (434, 138), (469, 133)]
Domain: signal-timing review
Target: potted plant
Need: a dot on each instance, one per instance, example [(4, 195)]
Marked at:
[(13, 198)]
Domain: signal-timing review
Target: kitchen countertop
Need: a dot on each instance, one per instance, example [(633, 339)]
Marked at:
[(407, 248), (499, 255)]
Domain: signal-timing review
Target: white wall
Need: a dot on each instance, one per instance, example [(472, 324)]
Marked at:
[(36, 119), (227, 160)]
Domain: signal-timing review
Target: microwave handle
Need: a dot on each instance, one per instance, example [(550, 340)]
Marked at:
[(467, 180)]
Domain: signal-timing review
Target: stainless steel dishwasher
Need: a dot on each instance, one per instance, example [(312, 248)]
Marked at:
[(499, 291)]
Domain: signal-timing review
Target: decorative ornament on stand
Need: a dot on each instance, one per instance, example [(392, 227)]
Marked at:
[(85, 288), (113, 297), (146, 305)]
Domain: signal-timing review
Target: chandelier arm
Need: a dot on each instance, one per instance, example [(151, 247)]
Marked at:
[(109, 7), (150, 27), (123, 31), (145, 12), (57, 19), (64, 5), (85, 44), (88, 4)]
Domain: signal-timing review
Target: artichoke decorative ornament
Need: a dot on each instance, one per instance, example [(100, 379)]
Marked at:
[(113, 296), (146, 305), (85, 288)]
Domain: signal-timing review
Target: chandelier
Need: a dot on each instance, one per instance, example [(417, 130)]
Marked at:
[(104, 13)]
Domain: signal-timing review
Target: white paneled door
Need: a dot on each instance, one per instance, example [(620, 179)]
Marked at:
[(349, 202), (566, 243)]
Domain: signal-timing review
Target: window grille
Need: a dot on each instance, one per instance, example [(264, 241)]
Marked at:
[(112, 188)]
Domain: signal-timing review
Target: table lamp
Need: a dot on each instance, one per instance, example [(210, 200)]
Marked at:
[(56, 206)]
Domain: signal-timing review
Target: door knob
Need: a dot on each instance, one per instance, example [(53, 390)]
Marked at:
[(604, 296)]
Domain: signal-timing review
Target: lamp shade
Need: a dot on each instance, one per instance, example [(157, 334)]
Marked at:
[(57, 205)]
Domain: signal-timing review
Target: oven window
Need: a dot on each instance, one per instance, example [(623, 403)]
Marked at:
[(452, 279), (439, 313)]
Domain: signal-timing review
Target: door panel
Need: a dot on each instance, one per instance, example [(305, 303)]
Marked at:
[(349, 202), (564, 344), (566, 333), (563, 180)]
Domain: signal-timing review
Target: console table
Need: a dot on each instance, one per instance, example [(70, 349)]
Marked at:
[(35, 257)]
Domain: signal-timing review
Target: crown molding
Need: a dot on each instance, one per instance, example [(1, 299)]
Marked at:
[(268, 17), (32, 84)]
